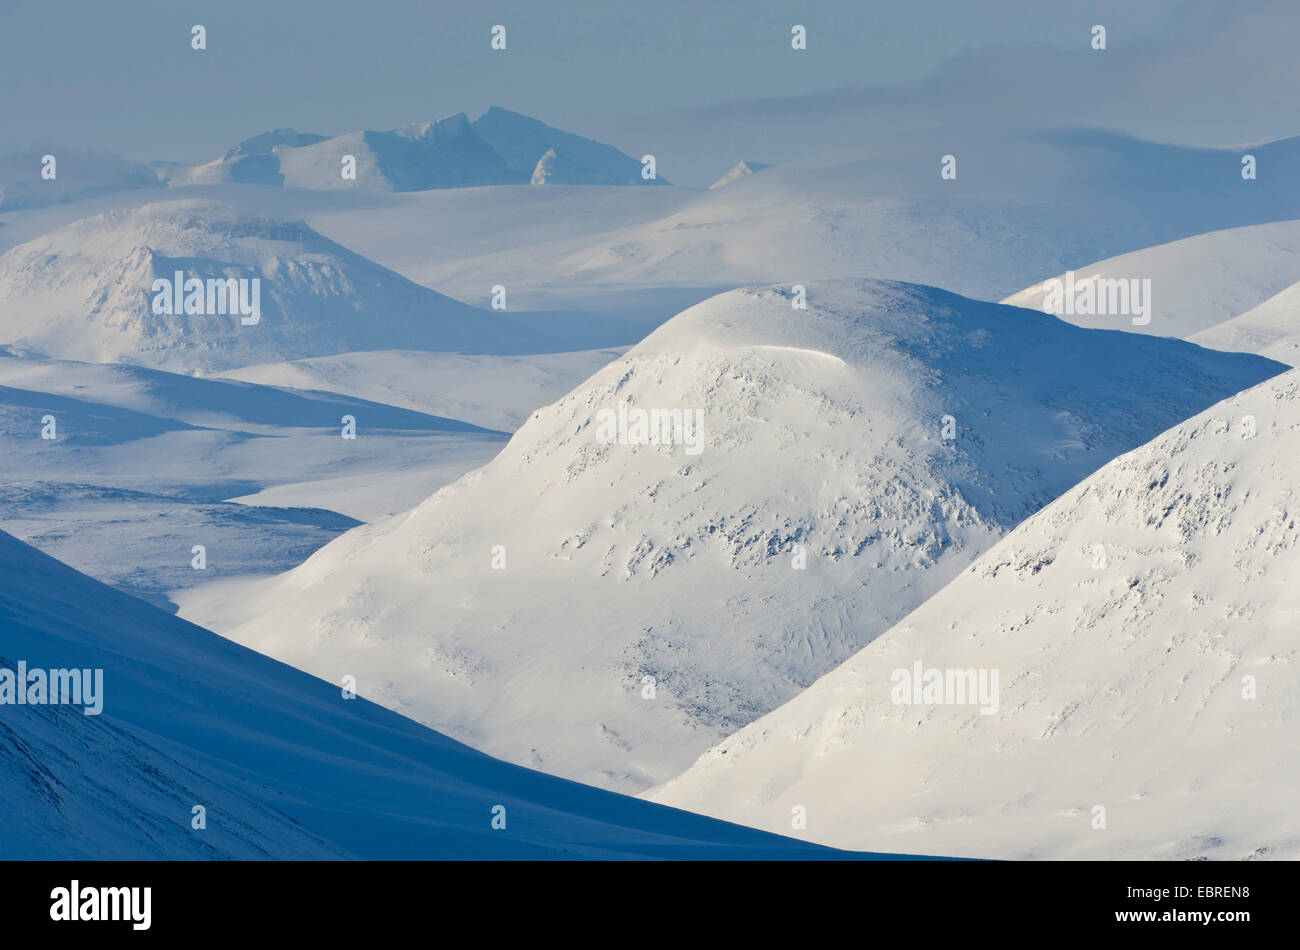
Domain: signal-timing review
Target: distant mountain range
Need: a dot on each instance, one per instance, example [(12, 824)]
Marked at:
[(500, 147)]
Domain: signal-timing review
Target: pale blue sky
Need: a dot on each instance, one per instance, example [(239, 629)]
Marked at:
[(121, 76)]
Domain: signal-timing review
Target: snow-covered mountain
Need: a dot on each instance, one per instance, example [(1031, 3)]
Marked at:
[(606, 608), (86, 291), (523, 143), (1143, 630), (500, 147), (281, 765)]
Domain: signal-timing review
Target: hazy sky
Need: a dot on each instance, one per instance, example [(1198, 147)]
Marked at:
[(696, 81)]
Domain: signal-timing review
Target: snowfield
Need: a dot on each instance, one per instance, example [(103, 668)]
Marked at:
[(649, 599), (496, 392), (142, 465), (1143, 626)]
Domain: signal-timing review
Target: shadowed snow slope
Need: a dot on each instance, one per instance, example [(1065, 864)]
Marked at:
[(618, 562), (85, 292), (282, 764), (120, 470), (1126, 674)]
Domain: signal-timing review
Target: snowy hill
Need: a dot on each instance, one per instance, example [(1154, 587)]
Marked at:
[(282, 765), (86, 291), (1125, 676), (1196, 283), (733, 562)]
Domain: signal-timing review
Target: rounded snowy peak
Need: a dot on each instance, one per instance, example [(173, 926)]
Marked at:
[(195, 286)]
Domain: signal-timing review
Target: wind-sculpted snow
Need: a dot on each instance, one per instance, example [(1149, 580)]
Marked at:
[(606, 608), (281, 765), (1144, 630)]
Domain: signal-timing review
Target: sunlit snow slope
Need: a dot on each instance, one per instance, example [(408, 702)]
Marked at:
[(1144, 630)]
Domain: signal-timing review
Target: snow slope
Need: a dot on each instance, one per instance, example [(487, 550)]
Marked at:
[(1272, 329), (1196, 283), (1122, 681), (823, 429), (524, 142), (282, 764), (84, 292), (498, 392), (253, 161)]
